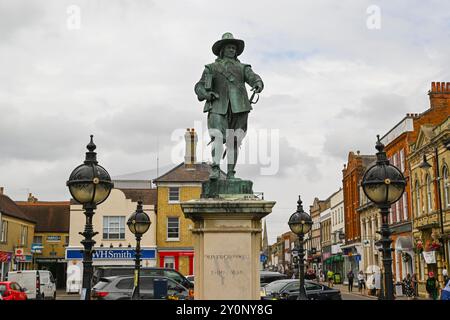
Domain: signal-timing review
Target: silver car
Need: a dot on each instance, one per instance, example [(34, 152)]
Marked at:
[(121, 288)]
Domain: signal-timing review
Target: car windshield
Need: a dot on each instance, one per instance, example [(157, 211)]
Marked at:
[(275, 286), (2, 288)]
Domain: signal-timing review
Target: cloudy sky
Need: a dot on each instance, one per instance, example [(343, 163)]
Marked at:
[(335, 73)]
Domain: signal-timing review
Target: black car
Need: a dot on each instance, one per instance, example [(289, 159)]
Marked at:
[(110, 271), (270, 276), (121, 288), (288, 290)]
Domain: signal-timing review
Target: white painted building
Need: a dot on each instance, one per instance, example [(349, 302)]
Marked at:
[(337, 221), (115, 243)]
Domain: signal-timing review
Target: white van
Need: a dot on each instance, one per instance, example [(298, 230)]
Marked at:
[(38, 284)]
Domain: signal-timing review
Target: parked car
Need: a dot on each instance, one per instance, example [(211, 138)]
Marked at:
[(288, 290), (191, 278), (39, 284), (109, 271), (270, 276), (10, 290), (121, 288)]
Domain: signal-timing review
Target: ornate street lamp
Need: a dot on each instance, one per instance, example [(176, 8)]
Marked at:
[(138, 223), (89, 184), (384, 185), (300, 223)]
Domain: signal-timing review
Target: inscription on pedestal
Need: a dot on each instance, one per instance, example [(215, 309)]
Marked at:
[(227, 267)]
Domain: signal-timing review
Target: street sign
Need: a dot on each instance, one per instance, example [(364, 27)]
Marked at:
[(18, 252), (262, 258), (36, 247)]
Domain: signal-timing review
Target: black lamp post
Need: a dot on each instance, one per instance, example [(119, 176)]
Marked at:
[(384, 185), (300, 223), (138, 223), (89, 184), (425, 166)]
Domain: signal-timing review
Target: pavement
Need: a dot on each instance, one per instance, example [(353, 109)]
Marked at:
[(356, 295), (61, 294)]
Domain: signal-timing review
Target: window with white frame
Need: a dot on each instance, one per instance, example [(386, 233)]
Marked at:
[(402, 160), (173, 228), (4, 232), (429, 197), (114, 227), (417, 194), (405, 207), (446, 186), (174, 194), (24, 236)]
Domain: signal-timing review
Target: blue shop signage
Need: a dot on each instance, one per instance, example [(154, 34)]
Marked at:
[(111, 254)]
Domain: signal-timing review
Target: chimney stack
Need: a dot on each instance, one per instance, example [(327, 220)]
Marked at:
[(191, 148), (31, 198), (439, 94)]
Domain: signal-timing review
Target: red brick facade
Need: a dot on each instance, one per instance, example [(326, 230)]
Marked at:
[(352, 175)]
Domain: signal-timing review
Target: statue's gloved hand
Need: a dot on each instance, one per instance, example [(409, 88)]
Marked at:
[(211, 96), (257, 88)]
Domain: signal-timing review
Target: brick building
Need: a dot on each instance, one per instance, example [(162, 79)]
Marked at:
[(398, 143), (352, 174), (431, 200), (16, 236), (51, 233), (314, 238), (182, 183)]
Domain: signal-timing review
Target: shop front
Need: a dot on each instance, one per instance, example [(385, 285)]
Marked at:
[(403, 257), (23, 262), (352, 259), (102, 257), (57, 266), (316, 263), (428, 249), (326, 261), (180, 260), (5, 264), (337, 259)]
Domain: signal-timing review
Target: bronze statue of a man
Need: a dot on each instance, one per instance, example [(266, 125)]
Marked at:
[(222, 85)]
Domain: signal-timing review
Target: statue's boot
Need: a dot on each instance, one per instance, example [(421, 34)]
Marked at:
[(215, 173), (232, 155), (231, 172)]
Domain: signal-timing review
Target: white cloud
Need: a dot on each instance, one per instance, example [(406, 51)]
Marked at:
[(127, 75)]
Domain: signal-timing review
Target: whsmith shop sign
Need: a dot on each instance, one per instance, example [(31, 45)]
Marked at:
[(110, 254)]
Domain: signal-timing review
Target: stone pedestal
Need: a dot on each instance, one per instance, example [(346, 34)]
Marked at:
[(227, 244)]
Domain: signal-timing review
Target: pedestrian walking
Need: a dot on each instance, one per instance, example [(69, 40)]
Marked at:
[(432, 286), (350, 277), (445, 274), (407, 283), (361, 282), (321, 276), (330, 275), (377, 282), (415, 286), (445, 294)]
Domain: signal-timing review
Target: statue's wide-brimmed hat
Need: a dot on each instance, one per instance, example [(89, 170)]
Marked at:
[(226, 39)]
